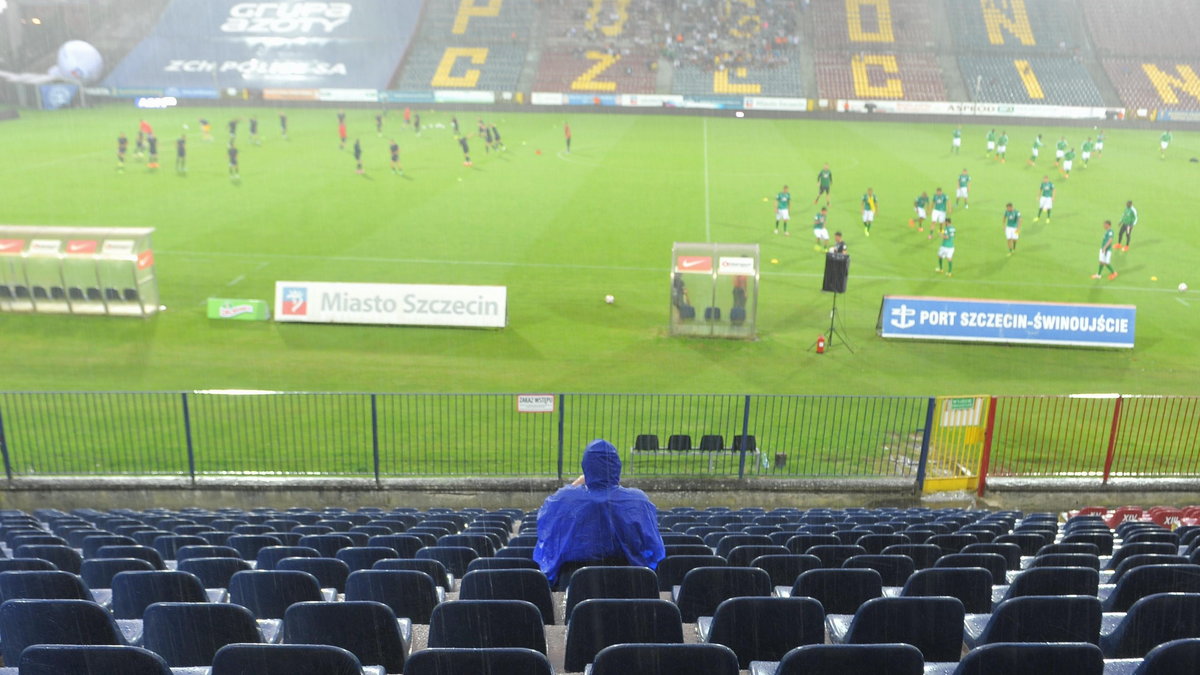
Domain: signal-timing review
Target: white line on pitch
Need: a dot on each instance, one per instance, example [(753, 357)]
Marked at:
[(1183, 302), (237, 280), (624, 268), (707, 206)]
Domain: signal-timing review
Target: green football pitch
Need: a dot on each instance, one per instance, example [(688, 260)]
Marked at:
[(563, 230)]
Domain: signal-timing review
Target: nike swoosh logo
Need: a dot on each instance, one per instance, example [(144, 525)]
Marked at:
[(692, 263), (77, 247)]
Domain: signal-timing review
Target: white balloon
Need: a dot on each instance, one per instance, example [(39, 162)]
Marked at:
[(80, 60)]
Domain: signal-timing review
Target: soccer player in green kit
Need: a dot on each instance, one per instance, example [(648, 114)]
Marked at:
[(1099, 143), (1037, 147), (963, 192), (1045, 199), (1163, 142), (1012, 227), (1087, 148), (820, 231), (870, 205), (824, 182), (1128, 220), (919, 206), (1060, 149), (783, 200), (956, 143), (1106, 246), (1068, 161), (939, 211), (1002, 147), (946, 249), (991, 142)]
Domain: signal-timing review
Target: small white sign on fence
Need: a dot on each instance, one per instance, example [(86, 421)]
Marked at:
[(535, 403)]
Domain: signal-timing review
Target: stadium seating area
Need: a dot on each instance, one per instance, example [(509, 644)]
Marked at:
[(452, 46), (912, 76), (631, 70), (437, 591), (897, 24), (1148, 28), (1135, 79), (1053, 80), (781, 80), (1012, 25)]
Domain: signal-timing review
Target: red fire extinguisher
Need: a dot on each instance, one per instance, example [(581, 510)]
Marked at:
[(820, 344)]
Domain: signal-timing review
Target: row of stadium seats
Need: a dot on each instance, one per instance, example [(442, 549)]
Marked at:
[(498, 66), (1053, 80), (1147, 28), (893, 25), (911, 76), (629, 71), (1016, 26), (1024, 575)]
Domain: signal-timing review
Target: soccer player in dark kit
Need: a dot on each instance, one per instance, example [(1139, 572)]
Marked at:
[(181, 154), (122, 148), (358, 155), (233, 162), (462, 142)]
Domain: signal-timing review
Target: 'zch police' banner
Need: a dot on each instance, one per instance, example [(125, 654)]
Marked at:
[(1034, 323), (288, 43)]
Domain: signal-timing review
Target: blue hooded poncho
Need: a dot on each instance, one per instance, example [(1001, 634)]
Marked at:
[(599, 519)]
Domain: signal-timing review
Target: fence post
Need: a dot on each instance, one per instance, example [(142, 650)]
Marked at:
[(1112, 438), (187, 434), (375, 437), (925, 435), (562, 398), (745, 436), (4, 449), (985, 461)]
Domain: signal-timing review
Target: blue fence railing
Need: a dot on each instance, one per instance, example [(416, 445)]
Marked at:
[(384, 435)]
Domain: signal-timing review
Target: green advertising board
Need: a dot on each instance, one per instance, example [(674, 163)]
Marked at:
[(238, 309)]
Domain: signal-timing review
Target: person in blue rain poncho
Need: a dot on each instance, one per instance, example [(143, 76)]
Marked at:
[(596, 521)]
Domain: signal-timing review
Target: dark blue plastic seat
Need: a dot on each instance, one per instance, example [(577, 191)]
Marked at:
[(205, 551), (168, 545), (189, 634), (1008, 658), (91, 660), (368, 630), (405, 545), (410, 594), (1010, 552), (764, 629), (783, 569), (135, 551), (363, 557), (671, 570), (455, 558), (268, 557), (1054, 581), (923, 556), (268, 593), (1150, 579), (876, 659), (932, 625), (971, 585), (893, 569), (665, 659), (213, 572), (1038, 618), (481, 624), (98, 572), (599, 623), (329, 572), (92, 544), (42, 585), (1151, 621), (704, 588), (840, 591), (64, 558), (834, 556), (133, 592), (497, 661), (609, 582), (1177, 657), (36, 622), (509, 584), (436, 570), (248, 545), (244, 659)]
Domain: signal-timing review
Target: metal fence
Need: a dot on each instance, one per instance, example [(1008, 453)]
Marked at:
[(388, 435)]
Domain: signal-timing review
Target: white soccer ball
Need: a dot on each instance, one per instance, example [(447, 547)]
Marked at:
[(80, 60), (185, 126), (608, 299), (1182, 288)]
